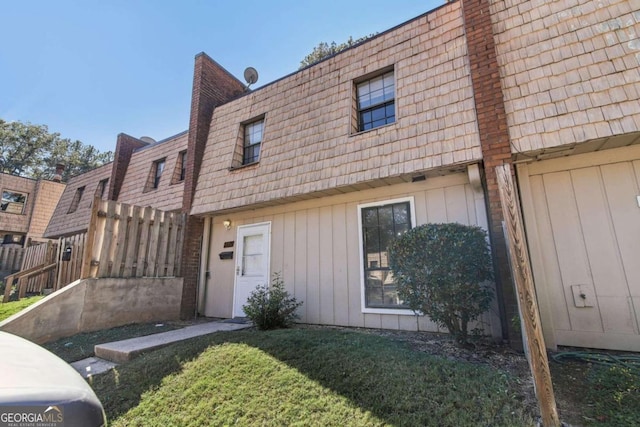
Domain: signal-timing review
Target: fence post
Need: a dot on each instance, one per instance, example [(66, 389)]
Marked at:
[(523, 277), (85, 272)]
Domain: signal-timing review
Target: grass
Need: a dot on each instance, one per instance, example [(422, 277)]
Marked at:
[(304, 377), (8, 309), (80, 346)]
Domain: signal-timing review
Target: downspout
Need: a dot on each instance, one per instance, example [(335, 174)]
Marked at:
[(204, 267)]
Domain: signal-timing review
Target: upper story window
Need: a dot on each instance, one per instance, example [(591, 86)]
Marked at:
[(13, 202), (180, 171), (159, 167), (76, 199), (252, 142), (376, 101), (153, 181), (101, 189), (182, 161), (380, 224)]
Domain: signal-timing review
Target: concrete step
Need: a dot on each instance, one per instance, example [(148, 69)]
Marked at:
[(125, 350), (92, 366)]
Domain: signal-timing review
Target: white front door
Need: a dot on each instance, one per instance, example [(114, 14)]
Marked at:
[(252, 262)]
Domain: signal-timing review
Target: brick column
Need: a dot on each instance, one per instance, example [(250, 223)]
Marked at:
[(125, 146), (212, 86), (495, 144)]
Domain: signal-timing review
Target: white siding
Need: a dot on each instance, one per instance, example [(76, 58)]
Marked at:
[(315, 245), (583, 226)]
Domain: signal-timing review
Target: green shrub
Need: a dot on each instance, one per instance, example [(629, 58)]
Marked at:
[(271, 307), (441, 271)]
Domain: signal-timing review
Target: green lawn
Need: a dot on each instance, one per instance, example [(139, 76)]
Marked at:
[(305, 377), (8, 309)]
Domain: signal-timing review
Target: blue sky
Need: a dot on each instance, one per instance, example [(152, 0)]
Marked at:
[(92, 69)]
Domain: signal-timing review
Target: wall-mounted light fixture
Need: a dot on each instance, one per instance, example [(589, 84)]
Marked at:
[(227, 224)]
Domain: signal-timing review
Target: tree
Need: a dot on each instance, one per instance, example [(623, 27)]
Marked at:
[(324, 50), (441, 270), (30, 150)]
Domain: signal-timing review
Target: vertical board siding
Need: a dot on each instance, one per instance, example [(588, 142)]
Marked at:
[(326, 266), (315, 245), (301, 242), (584, 222), (313, 266), (339, 254)]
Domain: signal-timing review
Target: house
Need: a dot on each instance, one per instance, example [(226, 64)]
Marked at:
[(144, 173), (310, 174), (372, 141), (26, 208), (571, 83)]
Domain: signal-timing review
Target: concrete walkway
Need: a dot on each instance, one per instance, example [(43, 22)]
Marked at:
[(110, 354)]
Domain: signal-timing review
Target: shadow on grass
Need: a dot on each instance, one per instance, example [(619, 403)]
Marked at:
[(384, 377)]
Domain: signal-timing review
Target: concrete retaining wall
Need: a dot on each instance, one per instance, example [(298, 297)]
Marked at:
[(94, 304)]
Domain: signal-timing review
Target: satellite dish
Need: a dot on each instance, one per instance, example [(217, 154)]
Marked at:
[(250, 75), (148, 139)]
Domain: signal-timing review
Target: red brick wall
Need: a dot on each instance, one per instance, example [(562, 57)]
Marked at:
[(124, 148), (495, 144), (212, 86)]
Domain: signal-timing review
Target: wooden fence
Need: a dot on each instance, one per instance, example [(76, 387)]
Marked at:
[(122, 241), (10, 258), (39, 255), (131, 241), (70, 258)]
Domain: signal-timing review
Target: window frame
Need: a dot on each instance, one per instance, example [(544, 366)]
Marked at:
[(245, 127), (101, 189), (155, 177), (182, 161), (180, 170), (24, 204), (358, 125), (77, 198), (412, 215), (153, 180)]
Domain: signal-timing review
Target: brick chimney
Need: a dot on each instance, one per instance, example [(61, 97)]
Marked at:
[(57, 177)]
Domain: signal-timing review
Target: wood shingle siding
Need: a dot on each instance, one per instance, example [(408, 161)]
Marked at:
[(168, 195), (65, 224), (309, 145), (569, 70)]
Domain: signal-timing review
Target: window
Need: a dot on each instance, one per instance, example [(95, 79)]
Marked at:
[(13, 202), (376, 101), (159, 167), (252, 141), (380, 223), (102, 188), (182, 159), (180, 171), (76, 199)]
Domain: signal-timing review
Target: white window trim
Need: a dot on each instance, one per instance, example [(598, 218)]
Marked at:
[(412, 211)]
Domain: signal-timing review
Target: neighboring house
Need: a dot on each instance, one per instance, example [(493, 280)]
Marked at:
[(26, 208), (571, 82), (73, 212), (155, 175), (143, 173), (312, 174)]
